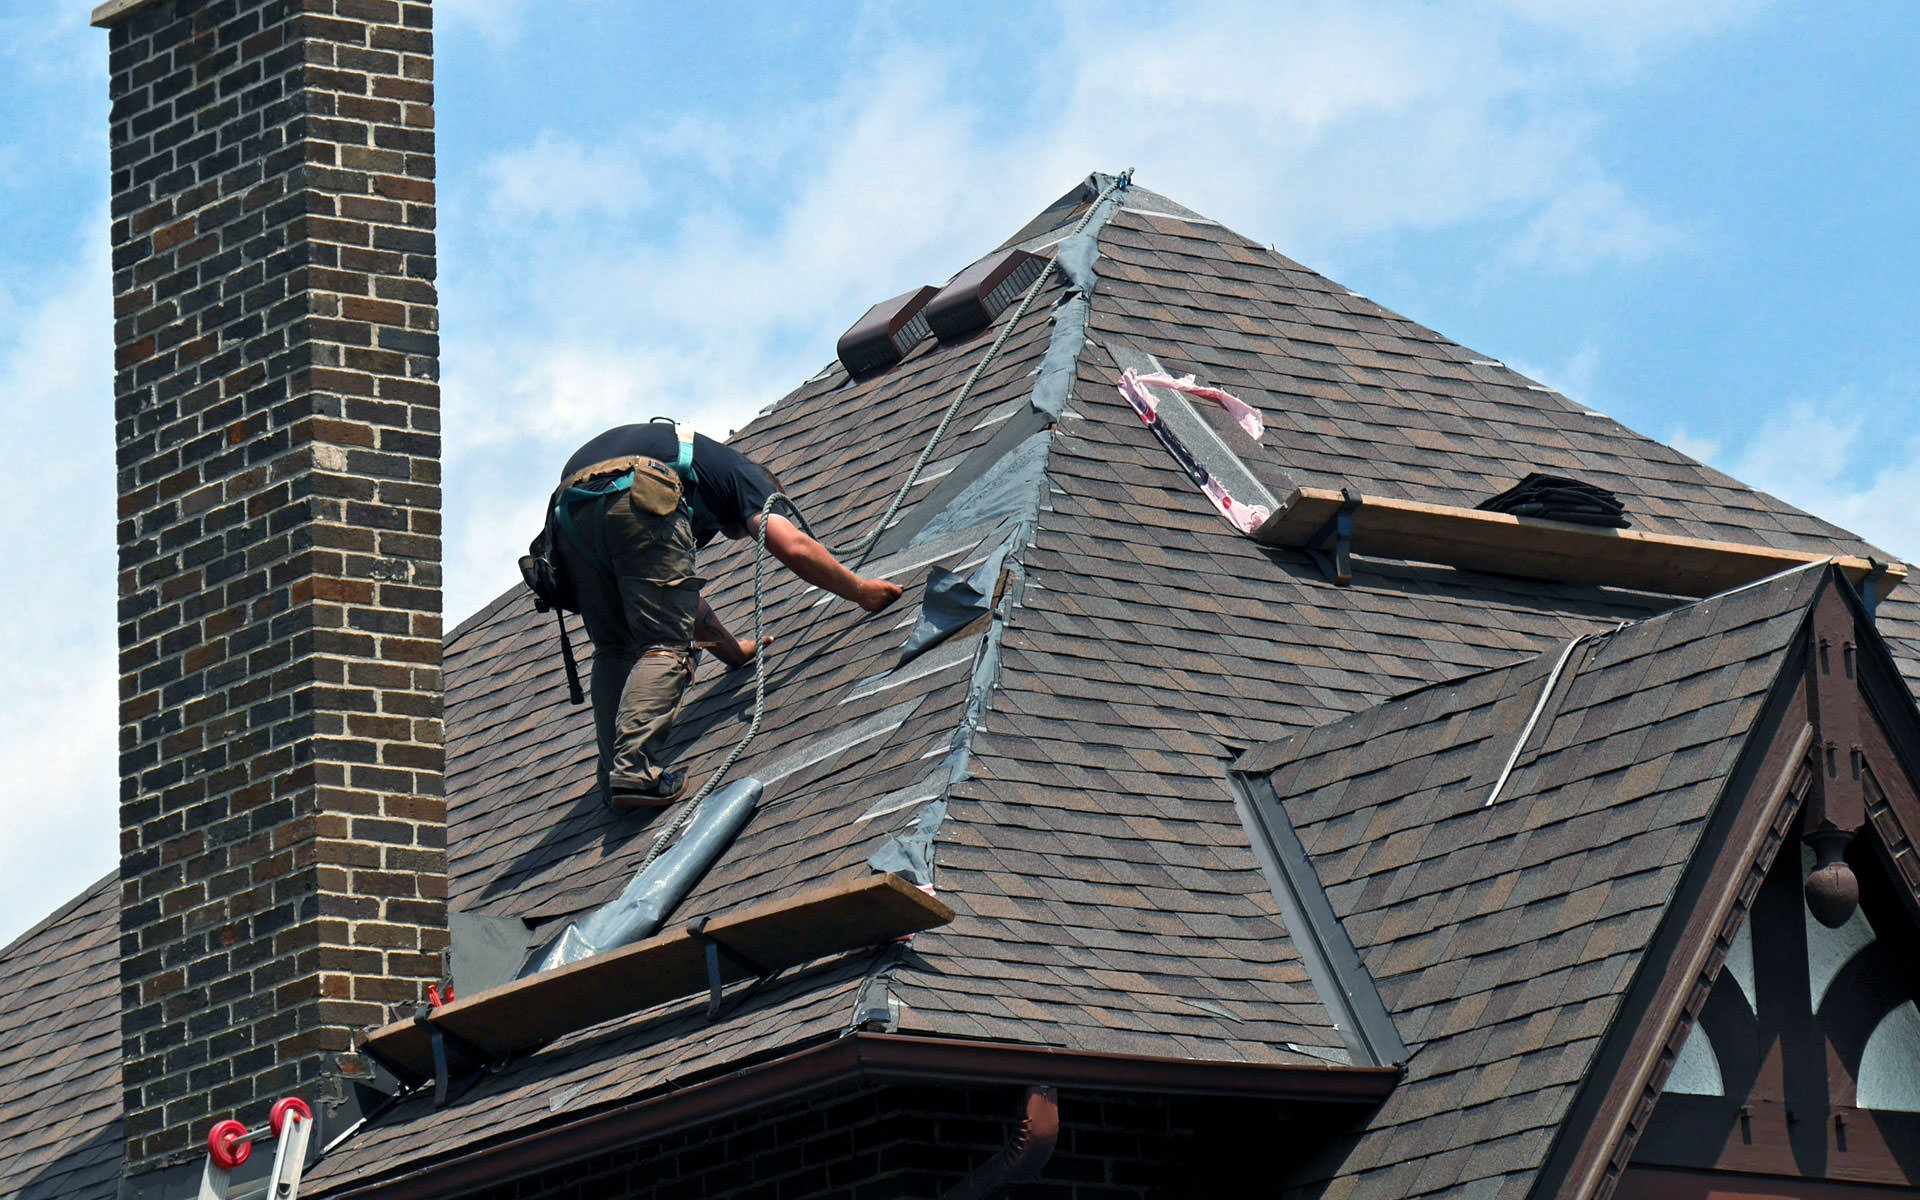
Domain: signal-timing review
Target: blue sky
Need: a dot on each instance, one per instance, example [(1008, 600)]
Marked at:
[(1697, 218)]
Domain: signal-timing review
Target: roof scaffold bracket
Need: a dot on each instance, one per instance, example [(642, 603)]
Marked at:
[(1870, 589), (716, 950), (1337, 562), (445, 1046)]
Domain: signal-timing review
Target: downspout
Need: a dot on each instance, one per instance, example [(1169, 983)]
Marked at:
[(1024, 1154)]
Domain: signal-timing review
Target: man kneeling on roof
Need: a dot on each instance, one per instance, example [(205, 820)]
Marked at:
[(634, 504)]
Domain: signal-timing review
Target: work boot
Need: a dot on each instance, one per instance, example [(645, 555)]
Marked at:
[(671, 785)]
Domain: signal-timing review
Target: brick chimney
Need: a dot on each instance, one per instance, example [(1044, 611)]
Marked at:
[(276, 413)]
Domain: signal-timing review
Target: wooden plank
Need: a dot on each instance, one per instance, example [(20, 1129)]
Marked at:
[(1537, 549), (526, 1013)]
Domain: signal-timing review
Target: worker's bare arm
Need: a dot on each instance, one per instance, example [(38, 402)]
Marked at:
[(816, 564), (711, 634)]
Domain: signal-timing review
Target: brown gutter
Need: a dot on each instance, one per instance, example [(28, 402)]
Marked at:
[(857, 1060)]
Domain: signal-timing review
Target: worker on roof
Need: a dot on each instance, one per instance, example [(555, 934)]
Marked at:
[(634, 504)]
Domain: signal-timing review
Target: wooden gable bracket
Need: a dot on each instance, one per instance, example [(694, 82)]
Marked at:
[(1833, 760)]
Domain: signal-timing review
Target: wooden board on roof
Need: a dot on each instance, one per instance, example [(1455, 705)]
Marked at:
[(526, 1013), (1537, 549)]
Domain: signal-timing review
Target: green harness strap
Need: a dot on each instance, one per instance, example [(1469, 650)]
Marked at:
[(688, 473)]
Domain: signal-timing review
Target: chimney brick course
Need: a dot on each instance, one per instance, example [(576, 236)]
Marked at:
[(283, 828)]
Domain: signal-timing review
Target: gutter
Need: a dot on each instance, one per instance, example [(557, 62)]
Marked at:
[(866, 1059)]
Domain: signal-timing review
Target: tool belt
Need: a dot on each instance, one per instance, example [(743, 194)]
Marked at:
[(655, 486)]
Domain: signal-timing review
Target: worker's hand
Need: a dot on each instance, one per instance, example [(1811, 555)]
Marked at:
[(876, 594), (743, 651), (734, 652)]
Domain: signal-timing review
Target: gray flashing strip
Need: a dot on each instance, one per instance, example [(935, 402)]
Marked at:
[(1025, 444), (954, 601), (1533, 718), (918, 667), (1075, 259), (1332, 963), (984, 484), (656, 891), (864, 730), (926, 552)]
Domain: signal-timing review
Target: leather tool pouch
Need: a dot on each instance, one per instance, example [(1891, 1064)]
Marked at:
[(656, 489)]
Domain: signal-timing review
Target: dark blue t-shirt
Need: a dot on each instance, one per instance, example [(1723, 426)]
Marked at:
[(728, 486)]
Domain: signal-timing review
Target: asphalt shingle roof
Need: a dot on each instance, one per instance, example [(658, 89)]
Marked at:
[(1107, 895), (1503, 936)]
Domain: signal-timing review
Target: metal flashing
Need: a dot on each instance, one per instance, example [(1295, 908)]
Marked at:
[(931, 788), (985, 483), (1339, 977), (912, 669), (864, 730)]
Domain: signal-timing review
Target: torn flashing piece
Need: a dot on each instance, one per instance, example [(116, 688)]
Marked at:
[(954, 601), (1247, 518), (655, 892), (910, 854)]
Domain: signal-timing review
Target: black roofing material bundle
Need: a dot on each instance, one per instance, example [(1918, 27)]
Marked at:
[(1557, 498)]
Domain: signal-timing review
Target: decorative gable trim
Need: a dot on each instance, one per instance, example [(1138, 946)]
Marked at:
[(1836, 752)]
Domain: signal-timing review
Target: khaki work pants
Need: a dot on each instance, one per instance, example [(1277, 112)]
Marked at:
[(638, 602)]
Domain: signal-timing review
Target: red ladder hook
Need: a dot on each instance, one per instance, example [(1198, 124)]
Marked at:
[(230, 1143)]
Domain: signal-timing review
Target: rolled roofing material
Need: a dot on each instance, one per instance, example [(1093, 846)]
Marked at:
[(1558, 498), (656, 891)]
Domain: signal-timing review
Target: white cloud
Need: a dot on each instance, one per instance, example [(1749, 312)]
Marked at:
[(558, 179), (1826, 458), (660, 280), (58, 766), (1588, 224), (1575, 378)]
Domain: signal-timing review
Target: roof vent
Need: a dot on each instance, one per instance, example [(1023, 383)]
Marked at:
[(978, 293), (883, 336)]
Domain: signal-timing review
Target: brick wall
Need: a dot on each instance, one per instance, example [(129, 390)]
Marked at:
[(892, 1143), (277, 422)]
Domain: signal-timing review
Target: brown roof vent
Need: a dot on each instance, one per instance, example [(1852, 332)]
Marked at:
[(978, 293), (883, 337)]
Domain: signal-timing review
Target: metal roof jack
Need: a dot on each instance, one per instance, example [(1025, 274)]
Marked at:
[(1870, 589), (442, 1059), (715, 950), (230, 1143), (1337, 564)]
